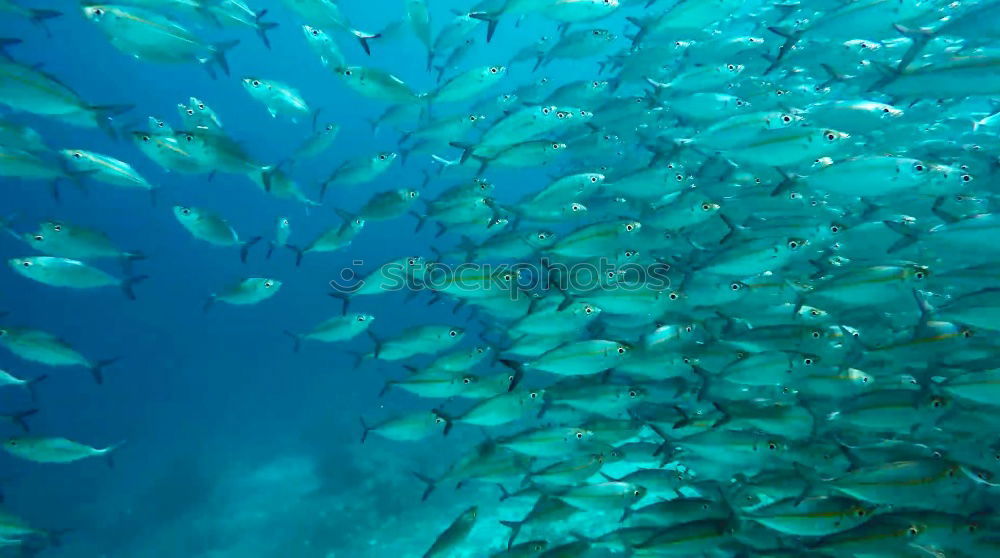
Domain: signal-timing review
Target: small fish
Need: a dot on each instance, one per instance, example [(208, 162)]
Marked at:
[(55, 450), (64, 272), (251, 290)]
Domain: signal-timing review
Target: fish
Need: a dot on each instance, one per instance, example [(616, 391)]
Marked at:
[(249, 291), (279, 98), (45, 348), (454, 535), (64, 272), (207, 226), (56, 450)]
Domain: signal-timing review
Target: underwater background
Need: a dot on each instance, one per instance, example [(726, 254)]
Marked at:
[(235, 445)]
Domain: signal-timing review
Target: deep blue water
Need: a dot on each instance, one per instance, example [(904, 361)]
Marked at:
[(205, 401)]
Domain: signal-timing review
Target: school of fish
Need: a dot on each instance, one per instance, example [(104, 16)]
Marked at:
[(743, 306)]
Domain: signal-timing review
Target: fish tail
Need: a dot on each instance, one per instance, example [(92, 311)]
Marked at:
[(246, 246), (296, 339), (344, 299), (299, 252), (377, 341), (270, 250), (385, 388), (39, 17), (363, 38), (514, 526), (518, 369), (219, 56), (208, 304), (421, 220), (919, 37), (109, 451), (791, 38), (909, 236), (449, 420), (103, 115), (19, 417), (726, 417), (365, 429), (130, 282), (263, 27), (6, 42), (97, 370), (491, 18), (32, 386), (431, 485), (55, 536)]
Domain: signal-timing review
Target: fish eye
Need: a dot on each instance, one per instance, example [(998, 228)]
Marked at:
[(772, 446), (267, 284), (315, 33), (555, 145), (472, 118), (546, 110), (611, 275), (190, 112), (830, 136), (886, 109), (579, 435), (966, 178), (633, 394), (706, 206), (937, 402), (561, 114), (637, 493), (678, 177), (39, 237), (686, 360), (593, 179), (533, 395), (494, 70), (816, 334), (688, 329), (98, 11), (630, 227), (793, 244), (834, 229), (919, 167), (757, 180), (730, 67), (966, 333), (575, 207), (201, 106), (453, 333), (920, 275), (913, 531), (864, 379), (26, 264), (413, 194), (673, 296), (739, 103), (255, 83), (588, 310), (186, 211), (348, 72), (145, 139), (411, 261), (188, 137), (621, 350), (381, 157), (735, 286), (807, 361), (77, 155)]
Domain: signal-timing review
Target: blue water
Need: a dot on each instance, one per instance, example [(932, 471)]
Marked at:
[(235, 445)]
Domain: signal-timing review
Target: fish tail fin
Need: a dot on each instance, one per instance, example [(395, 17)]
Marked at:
[(909, 236), (919, 37), (345, 215), (246, 246), (518, 369), (322, 189), (726, 416), (491, 18), (299, 252), (449, 420), (263, 27), (6, 42), (363, 38), (55, 537), (130, 282), (466, 150), (19, 417), (219, 55), (385, 388), (97, 370), (40, 16), (32, 386), (270, 250), (296, 339), (127, 258), (791, 38), (889, 75), (344, 299), (514, 526), (103, 115), (209, 303), (431, 485), (376, 341), (809, 477), (365, 429), (421, 220), (109, 452), (267, 176)]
